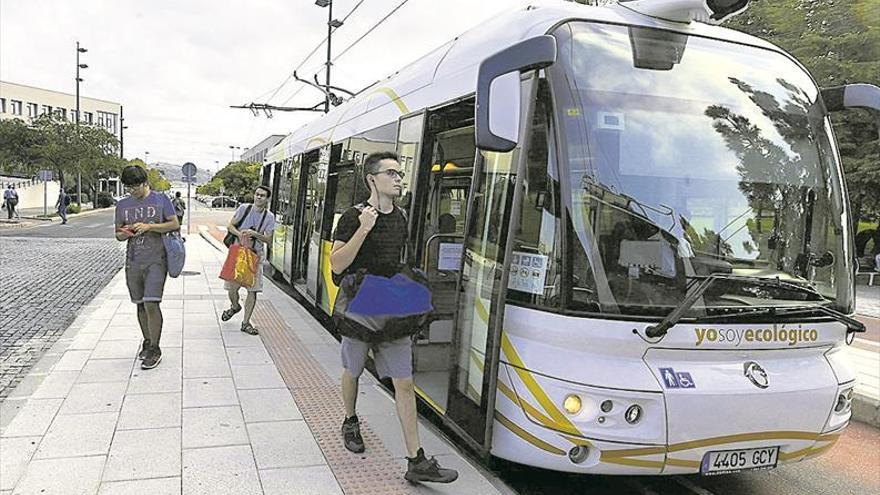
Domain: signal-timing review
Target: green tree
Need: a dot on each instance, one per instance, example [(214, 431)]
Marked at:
[(839, 43), (17, 142), (155, 179), (239, 179), (211, 188)]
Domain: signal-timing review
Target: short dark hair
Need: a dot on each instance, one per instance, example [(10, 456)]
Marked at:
[(134, 175), (177, 194), (268, 191), (371, 163)]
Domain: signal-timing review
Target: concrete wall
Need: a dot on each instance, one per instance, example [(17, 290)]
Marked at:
[(32, 196)]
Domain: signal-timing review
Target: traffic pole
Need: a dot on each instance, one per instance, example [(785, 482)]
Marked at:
[(188, 206)]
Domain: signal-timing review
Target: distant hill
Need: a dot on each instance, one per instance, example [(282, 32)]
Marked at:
[(172, 172)]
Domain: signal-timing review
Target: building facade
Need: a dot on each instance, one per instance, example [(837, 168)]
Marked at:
[(257, 153), (18, 101), (26, 103)]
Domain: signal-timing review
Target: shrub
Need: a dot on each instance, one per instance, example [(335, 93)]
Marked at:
[(73, 208), (104, 199)]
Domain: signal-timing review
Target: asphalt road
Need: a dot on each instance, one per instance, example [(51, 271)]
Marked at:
[(98, 225)]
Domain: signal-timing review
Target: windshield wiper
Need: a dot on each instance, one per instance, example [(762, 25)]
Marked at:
[(660, 329)]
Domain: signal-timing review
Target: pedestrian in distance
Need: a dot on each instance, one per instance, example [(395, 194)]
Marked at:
[(253, 226), (141, 219), (179, 206), (62, 204), (10, 201), (372, 236)]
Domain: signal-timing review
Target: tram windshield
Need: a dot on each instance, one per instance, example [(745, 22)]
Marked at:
[(688, 156)]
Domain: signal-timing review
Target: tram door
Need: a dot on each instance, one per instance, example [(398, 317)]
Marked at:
[(309, 183), (291, 218), (494, 200), (444, 181)]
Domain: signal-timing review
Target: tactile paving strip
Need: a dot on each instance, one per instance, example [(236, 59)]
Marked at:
[(320, 401)]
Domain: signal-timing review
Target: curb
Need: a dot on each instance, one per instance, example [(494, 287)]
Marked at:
[(866, 410), (219, 246)]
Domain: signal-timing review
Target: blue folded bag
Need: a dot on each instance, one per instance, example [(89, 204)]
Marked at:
[(373, 308), (395, 296)]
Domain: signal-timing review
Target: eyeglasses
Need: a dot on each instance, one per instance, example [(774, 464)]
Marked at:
[(392, 173)]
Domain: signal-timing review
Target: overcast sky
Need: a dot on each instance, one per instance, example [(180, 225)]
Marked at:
[(177, 65)]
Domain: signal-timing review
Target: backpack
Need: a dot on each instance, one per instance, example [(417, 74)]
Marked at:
[(66, 200)]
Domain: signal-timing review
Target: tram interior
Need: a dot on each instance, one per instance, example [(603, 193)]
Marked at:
[(453, 153)]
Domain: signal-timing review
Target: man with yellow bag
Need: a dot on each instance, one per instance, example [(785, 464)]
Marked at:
[(252, 226)]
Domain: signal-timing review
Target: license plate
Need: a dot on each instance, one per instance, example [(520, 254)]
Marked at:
[(733, 461)]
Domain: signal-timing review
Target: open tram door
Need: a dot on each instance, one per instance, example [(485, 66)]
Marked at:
[(505, 100)]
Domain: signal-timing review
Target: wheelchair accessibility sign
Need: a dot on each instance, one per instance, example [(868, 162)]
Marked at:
[(676, 379)]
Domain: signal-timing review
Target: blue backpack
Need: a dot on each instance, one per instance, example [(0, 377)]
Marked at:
[(175, 253)]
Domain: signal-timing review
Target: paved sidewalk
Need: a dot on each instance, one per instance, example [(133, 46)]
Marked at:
[(218, 415)]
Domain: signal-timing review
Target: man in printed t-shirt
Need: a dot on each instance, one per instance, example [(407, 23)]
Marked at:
[(141, 220), (253, 225)]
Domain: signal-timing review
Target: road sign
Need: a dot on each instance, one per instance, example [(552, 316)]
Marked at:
[(46, 175), (189, 169)]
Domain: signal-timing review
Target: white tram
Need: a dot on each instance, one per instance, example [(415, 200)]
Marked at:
[(635, 229)]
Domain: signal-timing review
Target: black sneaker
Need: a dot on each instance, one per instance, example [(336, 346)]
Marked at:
[(351, 435), (152, 359), (421, 469), (145, 349)]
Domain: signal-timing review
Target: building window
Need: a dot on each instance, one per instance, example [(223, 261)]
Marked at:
[(61, 113), (16, 107), (2, 105), (72, 115), (32, 110), (88, 117), (45, 109)]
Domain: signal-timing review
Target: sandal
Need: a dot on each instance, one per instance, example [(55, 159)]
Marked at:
[(229, 313), (249, 329)]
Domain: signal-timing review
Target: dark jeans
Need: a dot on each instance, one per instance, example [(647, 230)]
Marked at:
[(10, 208), (62, 212)]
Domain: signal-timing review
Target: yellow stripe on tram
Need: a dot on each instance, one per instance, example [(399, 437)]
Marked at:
[(528, 437)]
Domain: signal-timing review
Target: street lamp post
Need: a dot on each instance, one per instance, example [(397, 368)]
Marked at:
[(233, 148), (122, 128), (146, 156), (331, 24), (79, 66)]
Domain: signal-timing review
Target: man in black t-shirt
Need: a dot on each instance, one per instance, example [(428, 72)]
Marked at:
[(371, 236)]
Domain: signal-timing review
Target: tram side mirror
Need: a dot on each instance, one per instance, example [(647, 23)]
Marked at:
[(498, 111), (839, 98)]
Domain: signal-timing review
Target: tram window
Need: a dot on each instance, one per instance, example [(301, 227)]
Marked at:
[(535, 266)]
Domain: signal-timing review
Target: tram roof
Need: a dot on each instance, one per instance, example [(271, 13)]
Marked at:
[(450, 71)]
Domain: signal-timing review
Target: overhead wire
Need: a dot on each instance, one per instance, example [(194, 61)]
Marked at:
[(350, 46), (307, 57)]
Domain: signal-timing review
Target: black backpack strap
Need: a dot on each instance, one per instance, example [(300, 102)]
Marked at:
[(247, 211)]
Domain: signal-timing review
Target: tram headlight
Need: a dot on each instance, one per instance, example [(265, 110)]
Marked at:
[(633, 414), (572, 404)]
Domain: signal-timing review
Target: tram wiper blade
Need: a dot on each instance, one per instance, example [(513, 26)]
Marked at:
[(852, 325), (660, 329)]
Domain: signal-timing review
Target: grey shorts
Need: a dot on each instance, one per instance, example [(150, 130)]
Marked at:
[(393, 359), (146, 283)]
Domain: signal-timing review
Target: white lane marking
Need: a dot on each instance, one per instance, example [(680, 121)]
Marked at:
[(691, 486)]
